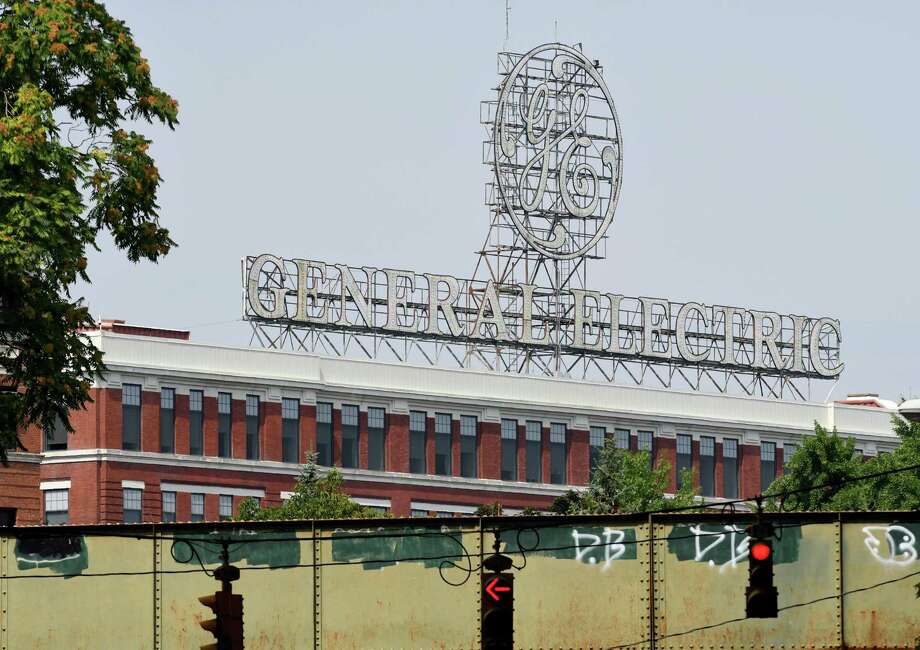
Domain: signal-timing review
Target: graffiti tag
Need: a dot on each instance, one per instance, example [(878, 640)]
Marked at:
[(900, 544), (589, 547)]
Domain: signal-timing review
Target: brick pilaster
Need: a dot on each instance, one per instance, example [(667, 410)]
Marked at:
[(578, 460), (397, 445), (150, 421), (490, 450), (270, 432)]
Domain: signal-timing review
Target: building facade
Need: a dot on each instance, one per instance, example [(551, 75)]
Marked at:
[(183, 431)]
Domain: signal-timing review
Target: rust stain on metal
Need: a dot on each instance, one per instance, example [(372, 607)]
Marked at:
[(586, 589)]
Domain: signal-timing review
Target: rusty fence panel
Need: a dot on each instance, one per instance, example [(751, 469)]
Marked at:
[(666, 581)]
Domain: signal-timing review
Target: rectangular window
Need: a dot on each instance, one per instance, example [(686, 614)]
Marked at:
[(168, 420), (442, 424), (252, 427), (169, 506), (349, 435), (622, 438), (131, 505), (376, 438), (324, 433), (645, 443), (767, 464), (708, 466), (419, 513), (56, 506), (195, 422), (557, 453), (730, 468), (597, 436), (417, 440), (197, 507), (290, 430), (469, 441), (684, 455), (533, 437), (226, 507), (509, 450), (131, 417), (56, 436), (224, 400), (789, 450)]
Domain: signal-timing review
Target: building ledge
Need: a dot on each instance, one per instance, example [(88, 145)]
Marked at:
[(181, 461)]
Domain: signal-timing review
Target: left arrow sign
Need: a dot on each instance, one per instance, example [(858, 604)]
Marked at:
[(491, 589)]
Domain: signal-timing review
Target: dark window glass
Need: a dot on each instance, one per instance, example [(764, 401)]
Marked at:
[(168, 420), (56, 505), (197, 507), (622, 438), (56, 436), (596, 438), (290, 430), (224, 400), (708, 466), (509, 450), (557, 453), (324, 433), (131, 417), (644, 442), (442, 424), (195, 422), (131, 505), (767, 464), (684, 455), (730, 468), (533, 437), (349, 435), (252, 427), (169, 506), (417, 440), (376, 438), (226, 507), (469, 439), (789, 450)]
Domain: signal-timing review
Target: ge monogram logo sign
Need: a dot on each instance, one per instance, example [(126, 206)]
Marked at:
[(557, 151)]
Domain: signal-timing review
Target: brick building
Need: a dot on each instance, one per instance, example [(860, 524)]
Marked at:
[(184, 431)]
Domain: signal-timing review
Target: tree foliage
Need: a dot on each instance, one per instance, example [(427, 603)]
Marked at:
[(71, 78), (624, 482), (828, 458), (314, 497)]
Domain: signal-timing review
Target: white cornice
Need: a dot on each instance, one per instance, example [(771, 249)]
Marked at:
[(455, 389)]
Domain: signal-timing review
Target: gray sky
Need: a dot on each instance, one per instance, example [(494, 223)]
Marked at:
[(770, 157)]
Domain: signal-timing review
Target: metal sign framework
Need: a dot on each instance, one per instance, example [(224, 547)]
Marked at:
[(555, 150)]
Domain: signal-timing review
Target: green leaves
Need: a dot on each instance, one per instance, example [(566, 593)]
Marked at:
[(314, 497), (829, 458), (71, 76), (624, 482)]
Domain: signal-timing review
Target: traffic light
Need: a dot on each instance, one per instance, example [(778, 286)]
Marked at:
[(227, 624), (497, 613), (760, 594)]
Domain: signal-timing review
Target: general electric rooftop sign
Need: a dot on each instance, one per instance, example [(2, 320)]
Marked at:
[(555, 157)]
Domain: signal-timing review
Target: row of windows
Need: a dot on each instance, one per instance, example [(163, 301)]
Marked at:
[(131, 423), (57, 506)]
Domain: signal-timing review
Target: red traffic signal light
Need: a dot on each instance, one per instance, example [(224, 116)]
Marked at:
[(761, 551), (760, 595), (497, 613)]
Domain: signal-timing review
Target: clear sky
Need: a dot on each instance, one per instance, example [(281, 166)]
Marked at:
[(770, 154)]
